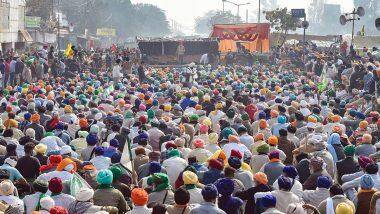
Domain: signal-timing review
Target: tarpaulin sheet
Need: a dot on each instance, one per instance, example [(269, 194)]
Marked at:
[(241, 32)]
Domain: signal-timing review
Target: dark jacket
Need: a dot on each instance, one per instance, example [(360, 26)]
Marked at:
[(311, 182), (303, 170), (287, 147), (210, 176), (247, 195), (40, 130), (346, 166), (339, 151)]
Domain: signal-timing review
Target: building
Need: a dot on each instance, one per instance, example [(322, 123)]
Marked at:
[(12, 25)]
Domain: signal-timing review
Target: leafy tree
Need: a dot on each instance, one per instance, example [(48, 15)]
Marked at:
[(128, 19), (203, 24), (281, 21)]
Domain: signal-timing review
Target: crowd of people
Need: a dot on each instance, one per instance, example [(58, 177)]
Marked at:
[(298, 134)]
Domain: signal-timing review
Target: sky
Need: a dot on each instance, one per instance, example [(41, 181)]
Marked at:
[(185, 11)]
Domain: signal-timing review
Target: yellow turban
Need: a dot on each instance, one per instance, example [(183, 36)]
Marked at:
[(189, 178), (40, 148)]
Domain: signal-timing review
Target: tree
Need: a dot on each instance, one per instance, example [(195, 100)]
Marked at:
[(281, 21), (41, 8), (203, 24), (128, 19)]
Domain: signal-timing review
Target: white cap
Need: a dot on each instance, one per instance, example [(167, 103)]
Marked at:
[(47, 203), (84, 194), (65, 150)]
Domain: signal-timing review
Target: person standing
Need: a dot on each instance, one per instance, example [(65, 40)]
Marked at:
[(2, 73), (19, 68), (116, 72), (12, 71), (141, 72), (180, 52)]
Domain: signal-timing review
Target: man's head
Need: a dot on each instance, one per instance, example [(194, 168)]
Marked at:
[(336, 189), (210, 193), (28, 148)]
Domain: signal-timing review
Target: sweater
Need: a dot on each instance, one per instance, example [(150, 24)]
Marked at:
[(363, 201), (247, 196)]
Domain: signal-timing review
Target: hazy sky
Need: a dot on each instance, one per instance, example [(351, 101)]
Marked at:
[(185, 11)]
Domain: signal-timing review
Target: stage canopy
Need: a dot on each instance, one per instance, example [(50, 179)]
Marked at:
[(254, 37)]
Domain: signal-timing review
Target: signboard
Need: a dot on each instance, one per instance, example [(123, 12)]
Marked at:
[(106, 32), (32, 21), (298, 13)]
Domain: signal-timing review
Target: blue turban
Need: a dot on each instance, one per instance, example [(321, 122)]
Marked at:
[(114, 142), (60, 126), (352, 112), (225, 186), (324, 182), (262, 115), (268, 201), (92, 139), (360, 115), (366, 182), (104, 176), (99, 150), (278, 100), (290, 171), (209, 192), (27, 116), (154, 167), (281, 119), (234, 162), (284, 183)]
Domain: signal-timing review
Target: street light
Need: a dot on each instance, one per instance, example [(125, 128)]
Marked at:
[(347, 17), (237, 5)]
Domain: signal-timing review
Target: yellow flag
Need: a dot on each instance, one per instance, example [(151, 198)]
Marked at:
[(362, 32), (69, 52)]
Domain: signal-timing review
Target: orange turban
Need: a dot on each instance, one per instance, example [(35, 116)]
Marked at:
[(139, 196), (273, 140), (273, 113), (68, 165), (363, 124), (337, 129), (220, 154), (11, 123), (335, 118), (367, 138), (259, 136), (233, 138), (263, 124), (312, 119), (35, 118), (261, 178), (83, 123)]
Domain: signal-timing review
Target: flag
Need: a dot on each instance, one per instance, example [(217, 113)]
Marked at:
[(77, 183), (69, 51), (362, 31), (322, 85)]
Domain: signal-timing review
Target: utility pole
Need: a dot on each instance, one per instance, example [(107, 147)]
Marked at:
[(58, 28), (258, 17)]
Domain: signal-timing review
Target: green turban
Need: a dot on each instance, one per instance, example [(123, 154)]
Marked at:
[(263, 149), (161, 180), (151, 114), (194, 118), (174, 153), (128, 114), (116, 172), (245, 117), (349, 150)]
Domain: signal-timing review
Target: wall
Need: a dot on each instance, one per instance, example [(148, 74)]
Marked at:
[(12, 13)]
